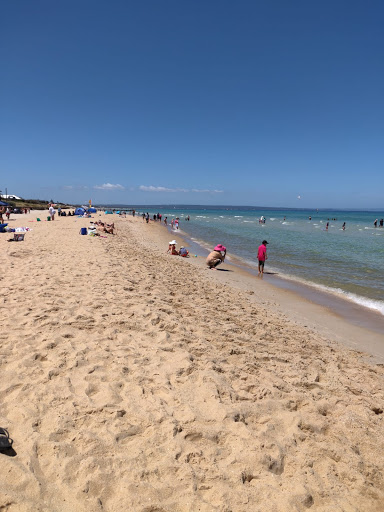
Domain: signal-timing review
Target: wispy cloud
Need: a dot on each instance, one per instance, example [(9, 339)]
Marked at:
[(205, 190), (74, 187), (151, 188), (109, 186), (161, 189)]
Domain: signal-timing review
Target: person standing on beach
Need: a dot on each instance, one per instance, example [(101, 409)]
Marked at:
[(262, 256), (375, 223), (343, 226), (52, 212), (381, 222)]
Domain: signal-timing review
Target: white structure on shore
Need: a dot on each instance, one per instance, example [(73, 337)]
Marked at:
[(9, 196)]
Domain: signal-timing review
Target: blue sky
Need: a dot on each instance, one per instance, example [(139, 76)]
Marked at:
[(203, 102)]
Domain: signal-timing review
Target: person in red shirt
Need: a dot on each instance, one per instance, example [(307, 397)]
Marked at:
[(262, 256)]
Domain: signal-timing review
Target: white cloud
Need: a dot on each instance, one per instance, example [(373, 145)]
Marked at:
[(151, 188), (206, 191), (74, 187), (109, 186), (161, 189)]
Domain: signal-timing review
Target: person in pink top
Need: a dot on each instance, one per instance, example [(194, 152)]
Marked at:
[(262, 256)]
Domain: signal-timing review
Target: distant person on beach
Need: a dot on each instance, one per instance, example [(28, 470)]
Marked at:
[(52, 212), (7, 213), (110, 228), (183, 252), (327, 226), (2, 210), (172, 248), (165, 221), (262, 256), (375, 223), (216, 257), (147, 218), (343, 226), (381, 222)]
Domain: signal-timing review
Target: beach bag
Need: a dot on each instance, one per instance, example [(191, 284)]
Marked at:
[(83, 231), (18, 237), (48, 218)]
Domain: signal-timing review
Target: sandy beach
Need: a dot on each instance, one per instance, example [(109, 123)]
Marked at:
[(133, 380)]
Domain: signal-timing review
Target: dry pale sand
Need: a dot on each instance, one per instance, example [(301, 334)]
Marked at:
[(132, 380)]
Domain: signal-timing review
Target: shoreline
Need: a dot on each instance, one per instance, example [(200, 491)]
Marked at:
[(136, 380), (315, 292), (367, 298), (350, 323)]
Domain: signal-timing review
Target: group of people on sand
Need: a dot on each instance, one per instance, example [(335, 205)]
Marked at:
[(103, 226), (381, 224), (7, 210), (172, 250), (217, 256)]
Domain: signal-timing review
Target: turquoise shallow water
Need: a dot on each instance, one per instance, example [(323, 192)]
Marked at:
[(350, 262)]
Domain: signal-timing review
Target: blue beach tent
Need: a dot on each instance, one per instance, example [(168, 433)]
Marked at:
[(92, 210), (79, 211)]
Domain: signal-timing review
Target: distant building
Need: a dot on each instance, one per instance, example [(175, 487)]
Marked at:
[(9, 196)]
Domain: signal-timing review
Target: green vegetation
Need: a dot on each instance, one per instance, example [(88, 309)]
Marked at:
[(34, 204)]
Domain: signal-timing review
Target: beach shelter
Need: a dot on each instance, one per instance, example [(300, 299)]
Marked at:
[(79, 211), (92, 210), (3, 204)]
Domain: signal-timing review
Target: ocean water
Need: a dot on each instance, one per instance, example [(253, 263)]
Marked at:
[(349, 263)]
